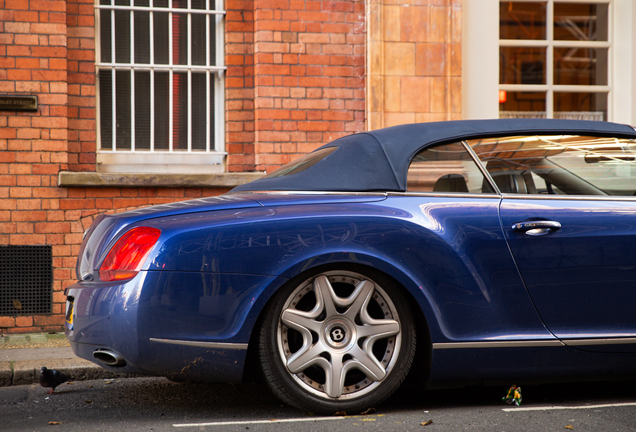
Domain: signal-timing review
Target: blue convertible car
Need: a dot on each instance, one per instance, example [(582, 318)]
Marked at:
[(494, 251)]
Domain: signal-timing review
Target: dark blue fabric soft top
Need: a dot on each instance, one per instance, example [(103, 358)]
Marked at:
[(378, 160)]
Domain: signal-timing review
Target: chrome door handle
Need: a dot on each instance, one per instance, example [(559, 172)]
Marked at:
[(536, 228)]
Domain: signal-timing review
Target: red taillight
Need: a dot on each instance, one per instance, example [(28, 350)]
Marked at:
[(128, 255)]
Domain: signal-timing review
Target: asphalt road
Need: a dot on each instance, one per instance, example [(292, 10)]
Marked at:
[(156, 404)]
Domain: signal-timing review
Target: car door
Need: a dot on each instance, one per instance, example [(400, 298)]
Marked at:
[(570, 221), (582, 276)]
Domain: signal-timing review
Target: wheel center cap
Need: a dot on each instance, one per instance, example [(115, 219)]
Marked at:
[(338, 334)]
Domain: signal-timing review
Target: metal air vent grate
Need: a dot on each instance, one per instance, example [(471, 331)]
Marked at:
[(26, 280)]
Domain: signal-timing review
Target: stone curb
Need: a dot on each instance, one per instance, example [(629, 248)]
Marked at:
[(28, 371), (26, 339)]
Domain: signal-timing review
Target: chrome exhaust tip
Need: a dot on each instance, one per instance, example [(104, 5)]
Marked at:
[(109, 357)]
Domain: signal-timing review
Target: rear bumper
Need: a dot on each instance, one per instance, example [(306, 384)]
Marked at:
[(104, 317), (166, 324)]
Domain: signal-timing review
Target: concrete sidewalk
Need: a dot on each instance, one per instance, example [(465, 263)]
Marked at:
[(22, 356)]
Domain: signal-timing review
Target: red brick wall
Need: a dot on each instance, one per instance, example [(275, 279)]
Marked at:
[(239, 85), (82, 127), (299, 85)]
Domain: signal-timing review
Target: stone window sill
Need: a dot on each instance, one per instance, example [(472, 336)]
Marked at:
[(68, 179)]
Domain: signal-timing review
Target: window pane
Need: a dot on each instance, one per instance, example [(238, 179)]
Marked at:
[(560, 164), (212, 44), (198, 4), (607, 163), (122, 37), (162, 113), (122, 95), (198, 39), (302, 163), (582, 22), (522, 20), (180, 111), (522, 65), (142, 37), (446, 168), (105, 24), (199, 94), (179, 39), (142, 110), (212, 114), (523, 105), (106, 109), (580, 106), (161, 37), (580, 66)]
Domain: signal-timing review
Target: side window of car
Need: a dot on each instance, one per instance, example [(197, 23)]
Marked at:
[(560, 164), (446, 168)]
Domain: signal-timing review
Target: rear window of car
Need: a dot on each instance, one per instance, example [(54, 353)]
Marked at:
[(302, 163)]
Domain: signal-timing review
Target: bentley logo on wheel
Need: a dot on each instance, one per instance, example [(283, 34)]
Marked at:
[(337, 334)]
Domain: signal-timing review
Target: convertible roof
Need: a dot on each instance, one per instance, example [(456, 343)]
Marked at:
[(378, 160)]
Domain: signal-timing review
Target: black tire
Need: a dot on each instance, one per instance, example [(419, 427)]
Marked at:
[(337, 341)]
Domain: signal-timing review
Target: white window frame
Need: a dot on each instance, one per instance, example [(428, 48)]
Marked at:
[(480, 67), (212, 160)]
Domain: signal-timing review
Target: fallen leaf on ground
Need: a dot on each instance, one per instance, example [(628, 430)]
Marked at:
[(55, 423), (427, 422), (569, 427), (369, 411)]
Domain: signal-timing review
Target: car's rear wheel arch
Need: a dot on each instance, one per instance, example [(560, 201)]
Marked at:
[(417, 321)]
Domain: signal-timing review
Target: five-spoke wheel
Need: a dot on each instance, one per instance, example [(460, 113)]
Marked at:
[(339, 340)]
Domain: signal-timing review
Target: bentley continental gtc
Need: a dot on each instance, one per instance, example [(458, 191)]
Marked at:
[(450, 253)]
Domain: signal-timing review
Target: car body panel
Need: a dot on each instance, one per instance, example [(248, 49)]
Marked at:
[(582, 277), (475, 291), (466, 299)]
